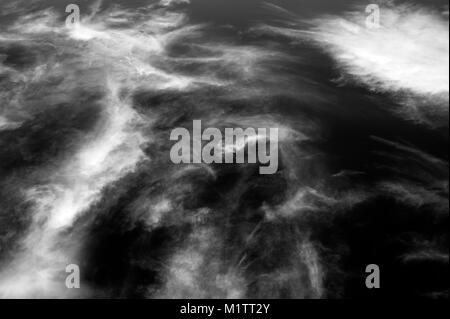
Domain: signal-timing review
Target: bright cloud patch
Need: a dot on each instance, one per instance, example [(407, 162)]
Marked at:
[(410, 50)]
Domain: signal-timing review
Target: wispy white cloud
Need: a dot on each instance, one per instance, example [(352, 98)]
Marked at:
[(168, 3)]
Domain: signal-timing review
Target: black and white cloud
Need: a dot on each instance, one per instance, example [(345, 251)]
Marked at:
[(85, 174)]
